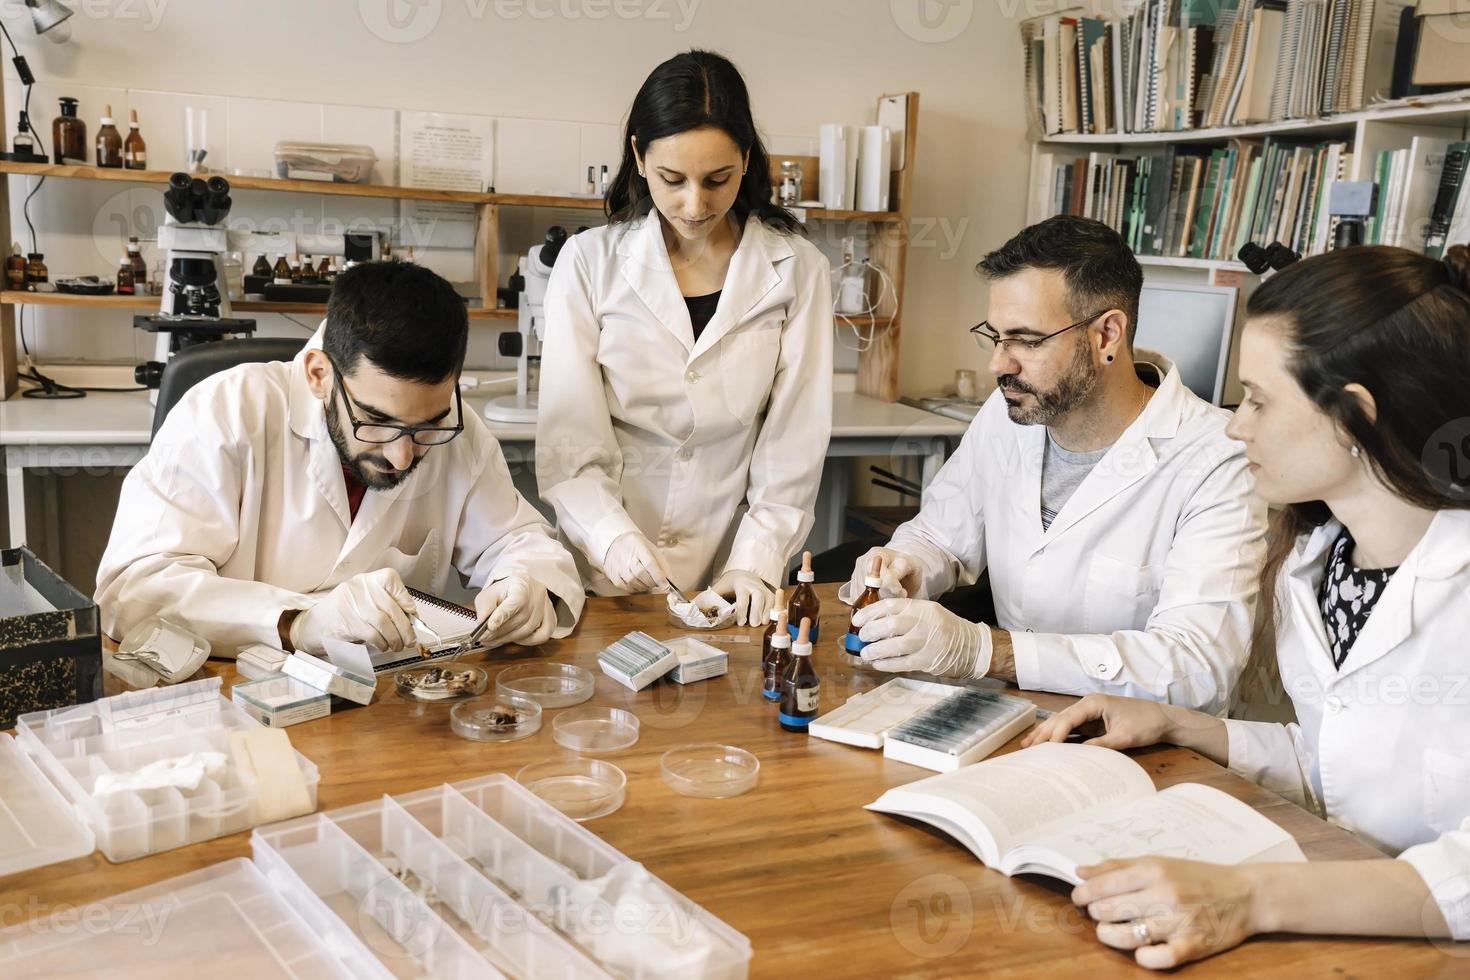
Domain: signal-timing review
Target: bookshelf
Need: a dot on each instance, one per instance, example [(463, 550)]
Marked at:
[(1366, 134), (887, 241)]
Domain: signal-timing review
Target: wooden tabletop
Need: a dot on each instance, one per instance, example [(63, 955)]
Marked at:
[(821, 886)]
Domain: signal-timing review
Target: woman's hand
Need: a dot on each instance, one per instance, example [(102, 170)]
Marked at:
[(1126, 722), (1170, 911)]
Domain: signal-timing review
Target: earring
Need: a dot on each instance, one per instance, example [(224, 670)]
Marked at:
[(1356, 452), (1110, 358)]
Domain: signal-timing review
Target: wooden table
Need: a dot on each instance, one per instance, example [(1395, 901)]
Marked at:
[(822, 887)]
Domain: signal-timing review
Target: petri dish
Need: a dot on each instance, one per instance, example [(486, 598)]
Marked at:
[(551, 685), (441, 682), (500, 718), (583, 789), (595, 729), (710, 771)]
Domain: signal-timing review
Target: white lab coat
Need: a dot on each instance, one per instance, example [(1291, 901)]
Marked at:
[(1144, 584), (1382, 746), (713, 450), (239, 511)]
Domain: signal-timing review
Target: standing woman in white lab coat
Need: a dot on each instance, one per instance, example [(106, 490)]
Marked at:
[(1356, 368), (686, 376)]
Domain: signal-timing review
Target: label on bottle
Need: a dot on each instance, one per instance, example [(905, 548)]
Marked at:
[(807, 697), (812, 634), (136, 161), (794, 721), (852, 644)]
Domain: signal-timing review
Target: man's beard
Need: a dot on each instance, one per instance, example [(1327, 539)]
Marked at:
[(1069, 392), (372, 478)]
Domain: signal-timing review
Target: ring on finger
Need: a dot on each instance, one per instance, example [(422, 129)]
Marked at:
[(1141, 933)]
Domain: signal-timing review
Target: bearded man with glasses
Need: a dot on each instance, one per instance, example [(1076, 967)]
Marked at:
[(1115, 517), (294, 504)]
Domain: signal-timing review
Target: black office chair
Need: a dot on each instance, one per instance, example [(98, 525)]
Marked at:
[(193, 364)]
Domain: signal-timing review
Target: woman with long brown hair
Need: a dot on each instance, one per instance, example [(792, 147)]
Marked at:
[(1356, 368)]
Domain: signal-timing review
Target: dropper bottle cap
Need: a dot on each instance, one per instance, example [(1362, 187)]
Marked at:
[(781, 639), (803, 645), (874, 578)]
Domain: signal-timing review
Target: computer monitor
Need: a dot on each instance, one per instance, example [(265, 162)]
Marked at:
[(1192, 326)]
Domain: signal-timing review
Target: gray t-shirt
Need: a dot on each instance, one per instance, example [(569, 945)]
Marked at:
[(1062, 472)]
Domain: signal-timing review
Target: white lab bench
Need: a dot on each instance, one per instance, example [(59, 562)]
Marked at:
[(107, 431)]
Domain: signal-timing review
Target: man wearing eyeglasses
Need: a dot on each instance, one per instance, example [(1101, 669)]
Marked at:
[(295, 503), (1116, 519)]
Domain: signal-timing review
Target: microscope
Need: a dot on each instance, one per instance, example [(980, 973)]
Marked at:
[(195, 306), (525, 343)]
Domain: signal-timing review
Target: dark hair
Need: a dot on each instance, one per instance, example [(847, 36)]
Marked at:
[(407, 321), (1098, 267), (691, 90), (1397, 323)]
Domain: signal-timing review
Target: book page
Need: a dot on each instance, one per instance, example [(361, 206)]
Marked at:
[(1188, 821), (1024, 793)]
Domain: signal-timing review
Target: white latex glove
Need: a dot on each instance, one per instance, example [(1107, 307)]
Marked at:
[(920, 635), (751, 596), (633, 564), (373, 608), (900, 579), (520, 611)]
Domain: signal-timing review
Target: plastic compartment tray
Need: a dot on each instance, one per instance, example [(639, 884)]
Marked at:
[(540, 855), (552, 685), (595, 729), (223, 920), (73, 746)]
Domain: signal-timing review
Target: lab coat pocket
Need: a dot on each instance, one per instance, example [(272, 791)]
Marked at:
[(417, 570), (1446, 787), (1119, 595), (748, 369)]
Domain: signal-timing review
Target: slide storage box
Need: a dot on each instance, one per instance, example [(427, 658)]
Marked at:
[(50, 647)]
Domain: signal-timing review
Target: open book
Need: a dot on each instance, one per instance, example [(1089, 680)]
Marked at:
[(1055, 806)]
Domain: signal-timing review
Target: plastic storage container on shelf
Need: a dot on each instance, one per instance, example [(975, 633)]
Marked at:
[(338, 162), (71, 748), (483, 875), (225, 919)]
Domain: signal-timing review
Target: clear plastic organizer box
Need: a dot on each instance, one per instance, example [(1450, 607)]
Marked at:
[(481, 878), (75, 746)]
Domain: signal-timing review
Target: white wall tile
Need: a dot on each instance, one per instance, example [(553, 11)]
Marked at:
[(537, 156), (369, 127), (601, 146), (256, 125), (161, 123)]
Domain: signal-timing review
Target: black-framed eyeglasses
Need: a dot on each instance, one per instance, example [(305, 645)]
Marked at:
[(987, 336), (381, 433)]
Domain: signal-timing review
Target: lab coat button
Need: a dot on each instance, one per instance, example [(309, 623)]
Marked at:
[(672, 542), (1334, 704), (684, 455), (692, 377)]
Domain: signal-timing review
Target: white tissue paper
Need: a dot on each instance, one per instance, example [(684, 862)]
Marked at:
[(180, 772), (634, 924), (708, 611)]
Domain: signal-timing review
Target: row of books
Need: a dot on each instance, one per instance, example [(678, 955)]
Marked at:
[(1186, 64), (1421, 202), (1205, 203)]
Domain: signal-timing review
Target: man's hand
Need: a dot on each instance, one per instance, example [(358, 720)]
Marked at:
[(520, 611), (374, 608)]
